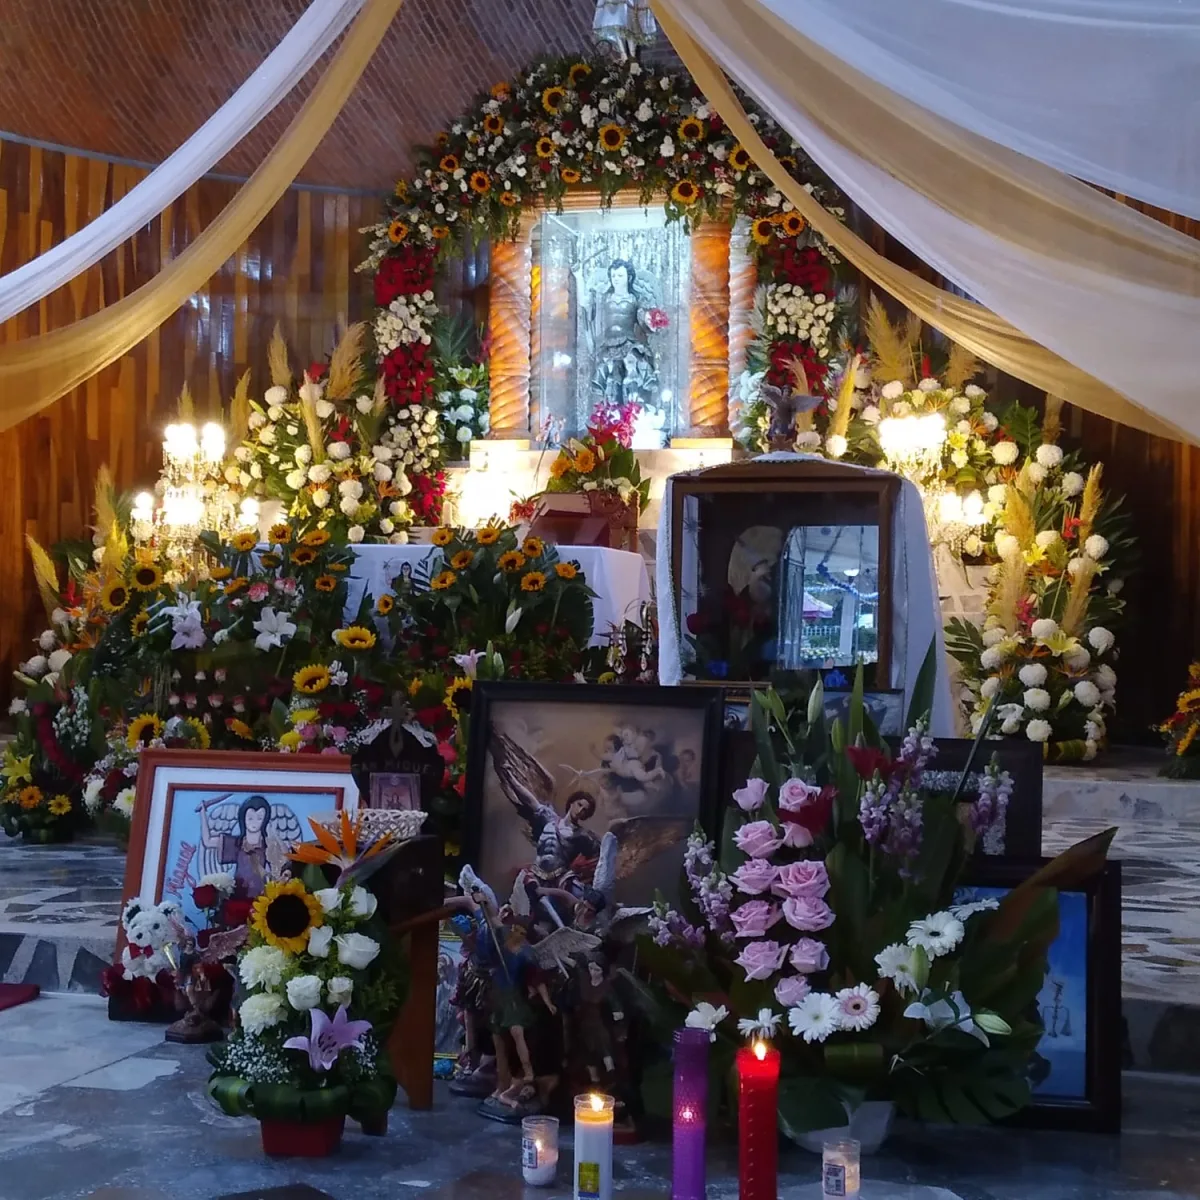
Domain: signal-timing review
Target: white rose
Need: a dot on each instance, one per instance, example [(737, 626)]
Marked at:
[(836, 444), (320, 497), (259, 1013), (262, 967), (304, 992), (363, 903), (319, 941), (1036, 473), (1005, 453), (1072, 483), (1049, 455), (1037, 699), (1044, 628), (1096, 546), (1100, 639), (59, 659), (1087, 693), (340, 989), (356, 533), (356, 950), (1047, 538), (990, 687), (1038, 730), (1033, 675), (330, 898), (893, 390)]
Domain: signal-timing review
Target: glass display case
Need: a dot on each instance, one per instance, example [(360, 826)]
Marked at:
[(783, 569)]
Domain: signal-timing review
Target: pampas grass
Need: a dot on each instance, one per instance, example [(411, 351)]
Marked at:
[(892, 352), (277, 360), (345, 365)]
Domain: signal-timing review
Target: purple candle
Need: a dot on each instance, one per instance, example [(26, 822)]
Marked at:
[(690, 1111)]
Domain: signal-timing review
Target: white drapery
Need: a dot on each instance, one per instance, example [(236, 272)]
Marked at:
[(1106, 289), (1101, 89), (302, 46)]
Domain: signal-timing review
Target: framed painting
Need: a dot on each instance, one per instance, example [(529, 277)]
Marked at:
[(448, 1031), (553, 768), (200, 812), (1076, 1071)]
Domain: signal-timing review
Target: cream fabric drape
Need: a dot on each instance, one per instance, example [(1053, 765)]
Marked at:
[(1087, 291), (36, 371)]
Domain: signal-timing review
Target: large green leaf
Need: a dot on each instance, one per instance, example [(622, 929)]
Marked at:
[(850, 888), (808, 1102), (920, 704), (230, 1093)]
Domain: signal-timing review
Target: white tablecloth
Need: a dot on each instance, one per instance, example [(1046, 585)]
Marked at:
[(618, 577)]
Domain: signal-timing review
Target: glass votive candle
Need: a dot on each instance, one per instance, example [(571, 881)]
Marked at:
[(839, 1169), (539, 1150)]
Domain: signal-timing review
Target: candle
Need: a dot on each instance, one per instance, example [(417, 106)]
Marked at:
[(839, 1169), (539, 1150), (593, 1147), (690, 1107), (758, 1105)]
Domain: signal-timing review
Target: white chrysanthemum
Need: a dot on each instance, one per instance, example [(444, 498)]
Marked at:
[(992, 658), (1106, 677), (1043, 628), (929, 385), (1038, 730), (320, 497), (870, 414), (937, 934), (1036, 473), (993, 636), (260, 1012), (1100, 639), (974, 391), (1072, 483), (1049, 455), (339, 451), (836, 445), (1007, 546), (295, 480), (1033, 675), (1077, 659), (1096, 547), (124, 800), (1036, 699), (1087, 693), (899, 963), (893, 390), (356, 533), (319, 473), (262, 967), (1046, 538), (1005, 453), (961, 405), (816, 1017), (998, 493)]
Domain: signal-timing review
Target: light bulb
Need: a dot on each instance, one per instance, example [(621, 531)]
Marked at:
[(212, 442), (973, 508), (180, 440), (950, 507)]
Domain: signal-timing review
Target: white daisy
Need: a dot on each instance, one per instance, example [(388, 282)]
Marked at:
[(765, 1025), (815, 1017), (858, 1007), (899, 963), (937, 934), (964, 911)]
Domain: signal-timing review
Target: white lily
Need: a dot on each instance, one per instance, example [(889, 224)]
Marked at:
[(273, 629), (952, 1013), (469, 663)]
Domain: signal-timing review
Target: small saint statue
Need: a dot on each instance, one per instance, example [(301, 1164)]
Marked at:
[(621, 26), (791, 409)]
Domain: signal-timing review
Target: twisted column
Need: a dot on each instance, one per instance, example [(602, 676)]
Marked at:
[(510, 319), (709, 384), (743, 283)]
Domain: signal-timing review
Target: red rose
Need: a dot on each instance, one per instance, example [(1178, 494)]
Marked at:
[(204, 896), (814, 817), (236, 912), (697, 623), (203, 938)]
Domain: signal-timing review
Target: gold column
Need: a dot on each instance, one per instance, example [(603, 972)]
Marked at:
[(743, 282), (709, 384), (510, 318)]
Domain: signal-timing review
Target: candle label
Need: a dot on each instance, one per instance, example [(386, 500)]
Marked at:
[(588, 1181), (529, 1157), (833, 1180)]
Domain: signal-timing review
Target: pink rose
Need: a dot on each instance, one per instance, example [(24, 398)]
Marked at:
[(754, 876), (258, 591), (760, 960), (796, 794), (796, 836), (807, 913), (790, 991), (758, 839), (339, 733), (191, 700), (751, 797), (754, 918), (802, 879), (216, 699), (809, 955)]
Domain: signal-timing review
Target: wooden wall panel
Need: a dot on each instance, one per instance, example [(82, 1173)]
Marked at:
[(297, 268)]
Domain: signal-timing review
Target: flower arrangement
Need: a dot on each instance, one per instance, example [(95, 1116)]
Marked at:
[(463, 387), (602, 460), (830, 920), (1181, 730)]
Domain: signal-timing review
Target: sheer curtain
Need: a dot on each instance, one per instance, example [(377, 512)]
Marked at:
[(289, 62), (1101, 89)]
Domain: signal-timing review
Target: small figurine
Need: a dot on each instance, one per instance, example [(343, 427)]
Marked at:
[(204, 983), (788, 403), (621, 26)]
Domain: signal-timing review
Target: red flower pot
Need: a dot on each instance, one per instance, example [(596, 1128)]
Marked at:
[(297, 1139)]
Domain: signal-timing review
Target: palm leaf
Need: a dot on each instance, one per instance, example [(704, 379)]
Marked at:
[(345, 364), (277, 360), (44, 573), (891, 357)]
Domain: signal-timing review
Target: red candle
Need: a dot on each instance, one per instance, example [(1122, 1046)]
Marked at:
[(758, 1138)]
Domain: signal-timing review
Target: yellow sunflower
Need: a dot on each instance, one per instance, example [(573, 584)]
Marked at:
[(219, 573), (739, 158), (303, 556), (239, 728), (440, 233), (143, 729), (566, 570), (115, 596), (535, 581), (325, 583), (762, 230), (552, 99), (793, 224), (462, 560), (442, 140), (199, 731), (285, 914), (578, 73), (270, 561), (243, 542), (570, 175), (356, 637), (30, 797), (146, 577), (501, 91), (339, 567), (400, 191), (544, 147), (305, 716), (510, 199), (560, 466), (452, 692), (685, 192), (532, 547), (691, 129), (443, 536), (612, 137), (315, 537), (489, 535), (138, 625), (1189, 701), (442, 581), (311, 679), (481, 183), (787, 161), (397, 232), (585, 461), (493, 123), (384, 605), (511, 561), (280, 534), (236, 584)]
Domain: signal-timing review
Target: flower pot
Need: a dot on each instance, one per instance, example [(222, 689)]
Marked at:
[(870, 1124), (301, 1139)]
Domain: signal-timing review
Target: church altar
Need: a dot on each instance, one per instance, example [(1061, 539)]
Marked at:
[(618, 577)]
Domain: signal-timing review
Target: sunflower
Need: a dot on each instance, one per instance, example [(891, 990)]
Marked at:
[(397, 231), (578, 73), (384, 605), (60, 806), (315, 537), (691, 129), (236, 584), (443, 536), (142, 729), (493, 123), (280, 534), (138, 625), (762, 230), (481, 183), (787, 161), (442, 140), (30, 797), (302, 556), (199, 731), (566, 570), (612, 137), (585, 461), (442, 581), (325, 583), (739, 158), (311, 679), (792, 224), (1188, 738), (146, 577), (1189, 701), (489, 535), (544, 147), (552, 99), (511, 561), (440, 233), (462, 560), (285, 914), (219, 573), (114, 596), (449, 163), (532, 547), (501, 91), (270, 561), (685, 192), (452, 691), (339, 567), (400, 191), (356, 637), (244, 542), (560, 466), (239, 728), (535, 581), (570, 175), (510, 199)]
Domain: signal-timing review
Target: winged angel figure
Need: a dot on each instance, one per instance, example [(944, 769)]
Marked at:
[(252, 836)]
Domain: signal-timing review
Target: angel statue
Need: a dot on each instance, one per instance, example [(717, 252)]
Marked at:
[(791, 408), (621, 26), (202, 981), (252, 838)]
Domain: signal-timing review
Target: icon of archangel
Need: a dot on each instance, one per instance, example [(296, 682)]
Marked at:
[(249, 837)]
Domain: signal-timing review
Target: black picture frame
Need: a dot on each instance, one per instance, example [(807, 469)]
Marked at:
[(708, 703), (1099, 1109)]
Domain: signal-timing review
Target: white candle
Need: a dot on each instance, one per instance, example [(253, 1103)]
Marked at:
[(539, 1150), (593, 1147), (839, 1170)]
